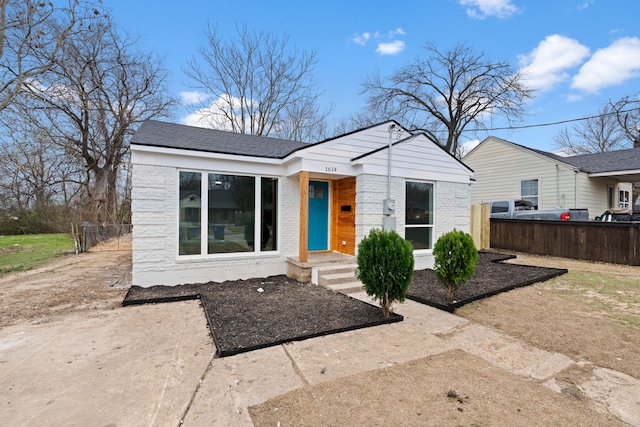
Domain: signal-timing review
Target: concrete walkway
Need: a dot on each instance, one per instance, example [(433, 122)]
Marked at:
[(235, 383), (153, 365)]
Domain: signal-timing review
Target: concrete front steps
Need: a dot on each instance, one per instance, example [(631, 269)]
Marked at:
[(338, 277)]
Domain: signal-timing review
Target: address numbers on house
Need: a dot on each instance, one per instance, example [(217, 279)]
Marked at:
[(330, 169)]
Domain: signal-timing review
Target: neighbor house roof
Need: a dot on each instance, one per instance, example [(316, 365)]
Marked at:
[(610, 161), (624, 164), (170, 135)]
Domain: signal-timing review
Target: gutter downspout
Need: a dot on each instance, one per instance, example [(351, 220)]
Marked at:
[(558, 185), (575, 188)]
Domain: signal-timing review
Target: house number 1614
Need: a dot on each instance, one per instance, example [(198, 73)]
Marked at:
[(330, 169)]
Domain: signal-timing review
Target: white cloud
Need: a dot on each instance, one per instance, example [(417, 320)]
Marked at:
[(362, 39), (610, 66), (480, 9), (397, 32), (384, 46), (192, 98), (547, 64), (465, 148), (212, 116), (392, 48), (585, 5)]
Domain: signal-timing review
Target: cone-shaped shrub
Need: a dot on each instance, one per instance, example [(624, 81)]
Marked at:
[(385, 267), (455, 259)]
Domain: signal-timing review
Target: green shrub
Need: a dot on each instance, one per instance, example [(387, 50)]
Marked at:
[(385, 267), (455, 260)]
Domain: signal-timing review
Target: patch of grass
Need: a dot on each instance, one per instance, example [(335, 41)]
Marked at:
[(615, 298), (24, 252)]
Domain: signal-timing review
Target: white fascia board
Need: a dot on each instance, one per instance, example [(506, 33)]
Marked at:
[(615, 173), (424, 175), (337, 169), (199, 160)]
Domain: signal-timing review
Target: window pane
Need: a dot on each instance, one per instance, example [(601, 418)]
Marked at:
[(231, 213), (269, 214), (499, 207), (190, 209), (529, 191), (419, 237), (419, 203)]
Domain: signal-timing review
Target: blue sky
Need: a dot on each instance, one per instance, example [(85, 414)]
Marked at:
[(577, 53)]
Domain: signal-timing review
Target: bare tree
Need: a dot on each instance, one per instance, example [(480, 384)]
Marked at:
[(256, 84), (627, 111), (594, 135), (32, 34), (90, 102), (447, 93)]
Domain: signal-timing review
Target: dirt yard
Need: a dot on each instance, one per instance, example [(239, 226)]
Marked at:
[(581, 315), (96, 280)]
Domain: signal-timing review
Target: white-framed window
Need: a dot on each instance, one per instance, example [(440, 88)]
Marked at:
[(419, 214), (529, 191), (623, 199), (218, 213)]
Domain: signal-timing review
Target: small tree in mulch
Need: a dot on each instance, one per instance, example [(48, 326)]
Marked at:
[(385, 267), (455, 259)]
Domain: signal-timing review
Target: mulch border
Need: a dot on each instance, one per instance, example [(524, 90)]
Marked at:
[(499, 259), (198, 292), (221, 351)]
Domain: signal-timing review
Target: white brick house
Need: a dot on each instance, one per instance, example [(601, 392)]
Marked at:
[(198, 194)]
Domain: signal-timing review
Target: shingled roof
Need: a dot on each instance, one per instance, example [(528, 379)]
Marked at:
[(596, 163), (610, 161), (170, 135)]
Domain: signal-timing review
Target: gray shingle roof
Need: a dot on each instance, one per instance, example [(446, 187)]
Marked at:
[(169, 135), (610, 161)]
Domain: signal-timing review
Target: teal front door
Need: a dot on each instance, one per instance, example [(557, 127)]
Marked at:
[(318, 216)]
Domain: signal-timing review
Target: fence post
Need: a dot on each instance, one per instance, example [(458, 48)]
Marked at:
[(485, 232)]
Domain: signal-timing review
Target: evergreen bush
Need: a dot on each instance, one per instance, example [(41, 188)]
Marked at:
[(455, 259), (385, 267)]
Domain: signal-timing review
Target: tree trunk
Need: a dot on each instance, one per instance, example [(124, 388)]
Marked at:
[(386, 305)]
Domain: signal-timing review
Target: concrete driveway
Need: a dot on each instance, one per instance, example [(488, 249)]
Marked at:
[(154, 365)]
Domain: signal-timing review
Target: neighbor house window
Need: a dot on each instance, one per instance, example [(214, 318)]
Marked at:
[(419, 214), (623, 200), (529, 191), (240, 214)]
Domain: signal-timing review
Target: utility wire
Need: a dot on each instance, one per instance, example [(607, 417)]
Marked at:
[(556, 123)]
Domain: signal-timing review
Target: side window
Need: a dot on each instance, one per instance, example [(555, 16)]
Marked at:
[(419, 214), (529, 191)]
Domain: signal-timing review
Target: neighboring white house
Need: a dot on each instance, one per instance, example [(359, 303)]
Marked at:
[(597, 182), (270, 201)]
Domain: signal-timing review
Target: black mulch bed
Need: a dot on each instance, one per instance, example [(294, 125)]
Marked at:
[(492, 276), (246, 315)]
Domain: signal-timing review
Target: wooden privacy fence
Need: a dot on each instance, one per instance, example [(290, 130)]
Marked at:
[(480, 225), (616, 243)]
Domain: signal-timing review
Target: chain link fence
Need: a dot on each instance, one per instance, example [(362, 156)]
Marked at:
[(103, 237)]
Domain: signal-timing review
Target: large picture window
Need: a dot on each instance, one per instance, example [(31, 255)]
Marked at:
[(529, 191), (235, 204), (419, 214)]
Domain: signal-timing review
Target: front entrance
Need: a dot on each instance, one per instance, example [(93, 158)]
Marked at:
[(318, 224)]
